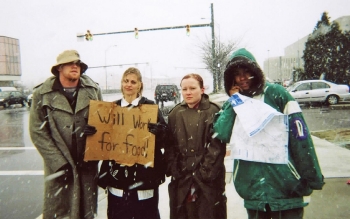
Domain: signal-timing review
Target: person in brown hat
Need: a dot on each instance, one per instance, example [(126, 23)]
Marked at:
[(57, 124)]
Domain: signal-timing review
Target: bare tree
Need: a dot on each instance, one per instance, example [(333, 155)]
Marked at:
[(216, 64)]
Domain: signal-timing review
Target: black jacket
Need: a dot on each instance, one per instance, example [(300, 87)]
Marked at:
[(138, 176)]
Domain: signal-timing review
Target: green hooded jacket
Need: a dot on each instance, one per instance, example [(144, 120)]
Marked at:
[(282, 186)]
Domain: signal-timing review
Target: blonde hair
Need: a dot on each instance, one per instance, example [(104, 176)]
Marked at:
[(136, 72)]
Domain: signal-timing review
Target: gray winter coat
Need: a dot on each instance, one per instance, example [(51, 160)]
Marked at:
[(52, 126)]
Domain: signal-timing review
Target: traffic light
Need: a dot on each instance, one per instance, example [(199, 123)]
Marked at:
[(188, 30), (136, 33), (88, 35)]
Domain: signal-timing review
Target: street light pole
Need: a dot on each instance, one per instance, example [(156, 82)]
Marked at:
[(268, 63), (150, 66), (106, 63), (213, 48)]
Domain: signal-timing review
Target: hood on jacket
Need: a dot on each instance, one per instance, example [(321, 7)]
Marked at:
[(242, 58)]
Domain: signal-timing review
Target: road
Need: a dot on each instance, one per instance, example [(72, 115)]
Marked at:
[(21, 166), (318, 118)]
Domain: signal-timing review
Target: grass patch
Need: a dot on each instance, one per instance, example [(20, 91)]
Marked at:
[(337, 136)]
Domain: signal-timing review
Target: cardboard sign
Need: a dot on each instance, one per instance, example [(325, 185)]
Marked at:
[(122, 134)]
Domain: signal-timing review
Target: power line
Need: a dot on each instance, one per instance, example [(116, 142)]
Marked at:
[(106, 66)]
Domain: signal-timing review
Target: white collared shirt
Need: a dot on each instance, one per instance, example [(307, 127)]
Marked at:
[(142, 194), (125, 103)]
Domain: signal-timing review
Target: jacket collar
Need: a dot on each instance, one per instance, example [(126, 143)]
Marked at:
[(59, 101), (125, 103), (50, 85)]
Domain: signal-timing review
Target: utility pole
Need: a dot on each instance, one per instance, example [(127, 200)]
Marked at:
[(106, 63), (268, 63), (215, 78)]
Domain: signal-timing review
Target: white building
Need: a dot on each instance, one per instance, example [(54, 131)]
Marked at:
[(10, 61)]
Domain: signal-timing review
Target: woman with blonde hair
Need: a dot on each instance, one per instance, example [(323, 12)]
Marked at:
[(125, 200)]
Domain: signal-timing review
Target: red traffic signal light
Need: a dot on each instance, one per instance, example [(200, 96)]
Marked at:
[(88, 36), (188, 30), (136, 33)]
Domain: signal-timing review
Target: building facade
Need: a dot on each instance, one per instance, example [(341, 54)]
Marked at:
[(10, 61), (280, 68)]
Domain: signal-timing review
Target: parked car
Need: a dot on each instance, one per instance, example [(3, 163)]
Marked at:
[(167, 92), (319, 91), (8, 98), (29, 99), (8, 89)]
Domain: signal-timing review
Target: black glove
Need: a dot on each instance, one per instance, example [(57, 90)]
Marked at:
[(177, 172), (89, 130), (156, 128), (67, 173)]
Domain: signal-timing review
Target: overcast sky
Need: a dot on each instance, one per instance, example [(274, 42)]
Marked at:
[(46, 28)]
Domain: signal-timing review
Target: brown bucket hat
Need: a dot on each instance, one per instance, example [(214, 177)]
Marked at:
[(66, 57)]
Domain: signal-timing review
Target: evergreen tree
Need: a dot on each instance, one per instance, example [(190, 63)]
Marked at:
[(298, 74), (327, 52), (345, 64)]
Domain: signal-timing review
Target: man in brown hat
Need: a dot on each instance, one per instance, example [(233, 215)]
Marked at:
[(58, 121)]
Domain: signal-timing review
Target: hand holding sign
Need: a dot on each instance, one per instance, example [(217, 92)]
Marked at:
[(89, 130), (157, 128)]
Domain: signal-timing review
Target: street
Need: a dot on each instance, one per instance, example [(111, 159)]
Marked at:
[(21, 166), (318, 118)]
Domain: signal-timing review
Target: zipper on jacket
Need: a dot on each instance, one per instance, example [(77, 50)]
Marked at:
[(293, 170), (235, 171), (290, 166)]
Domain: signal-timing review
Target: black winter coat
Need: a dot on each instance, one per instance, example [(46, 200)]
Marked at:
[(138, 176), (194, 157)]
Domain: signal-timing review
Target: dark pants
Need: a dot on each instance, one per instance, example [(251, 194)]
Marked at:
[(296, 213), (129, 207), (203, 209)]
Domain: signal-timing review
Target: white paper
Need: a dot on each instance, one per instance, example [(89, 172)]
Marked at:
[(255, 114), (260, 132)]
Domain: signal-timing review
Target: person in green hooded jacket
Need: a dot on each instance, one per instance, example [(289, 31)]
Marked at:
[(269, 190)]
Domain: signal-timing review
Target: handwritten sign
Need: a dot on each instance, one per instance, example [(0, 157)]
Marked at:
[(122, 134)]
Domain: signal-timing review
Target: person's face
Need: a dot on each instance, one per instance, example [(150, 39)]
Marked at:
[(131, 86), (191, 91), (70, 71), (243, 78)]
